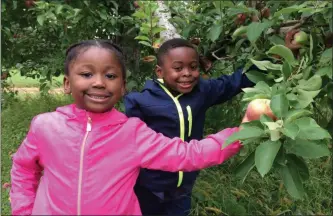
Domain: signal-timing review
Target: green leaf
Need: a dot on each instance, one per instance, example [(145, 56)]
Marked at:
[(310, 130), (142, 37), (307, 148), (281, 157), (284, 52), (292, 97), (256, 76), (245, 133), (58, 9), (295, 114), (145, 43), (290, 130), (287, 10), (279, 105), (304, 98), (286, 70), (215, 32), (140, 15), (264, 65), (276, 40), (300, 165), (255, 29), (275, 134), (273, 125), (326, 56), (312, 84), (264, 118), (265, 155), (188, 29), (157, 30), (41, 19), (243, 169), (325, 71), (292, 181)]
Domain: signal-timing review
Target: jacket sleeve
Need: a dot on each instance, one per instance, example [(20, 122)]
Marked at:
[(162, 153), (25, 175), (225, 87), (132, 108)]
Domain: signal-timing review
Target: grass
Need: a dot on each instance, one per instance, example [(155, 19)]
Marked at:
[(217, 191), (25, 82)]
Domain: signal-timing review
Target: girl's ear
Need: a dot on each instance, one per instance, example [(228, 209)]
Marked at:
[(67, 86), (123, 89), (159, 72)]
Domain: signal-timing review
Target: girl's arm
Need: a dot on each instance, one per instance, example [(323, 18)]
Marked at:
[(162, 153), (25, 175)]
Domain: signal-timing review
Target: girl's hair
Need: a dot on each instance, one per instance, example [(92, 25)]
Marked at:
[(74, 50), (171, 44)]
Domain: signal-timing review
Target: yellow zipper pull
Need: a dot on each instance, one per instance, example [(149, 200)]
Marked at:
[(89, 124)]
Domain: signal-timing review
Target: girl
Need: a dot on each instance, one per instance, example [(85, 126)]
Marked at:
[(90, 153)]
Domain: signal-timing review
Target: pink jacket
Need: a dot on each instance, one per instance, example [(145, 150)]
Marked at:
[(91, 162)]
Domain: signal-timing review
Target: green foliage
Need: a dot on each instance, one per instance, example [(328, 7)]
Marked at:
[(298, 83)]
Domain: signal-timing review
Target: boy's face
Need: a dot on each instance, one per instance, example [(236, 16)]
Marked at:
[(95, 80), (180, 69)]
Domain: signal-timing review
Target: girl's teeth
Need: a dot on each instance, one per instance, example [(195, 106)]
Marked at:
[(97, 97)]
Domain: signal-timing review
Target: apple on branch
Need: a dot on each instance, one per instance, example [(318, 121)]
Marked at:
[(256, 108)]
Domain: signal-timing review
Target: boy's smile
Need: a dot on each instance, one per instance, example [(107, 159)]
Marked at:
[(95, 80)]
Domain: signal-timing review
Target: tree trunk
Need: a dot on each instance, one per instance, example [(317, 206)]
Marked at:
[(164, 14)]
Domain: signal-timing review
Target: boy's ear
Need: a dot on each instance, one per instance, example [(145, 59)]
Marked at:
[(67, 86), (158, 71)]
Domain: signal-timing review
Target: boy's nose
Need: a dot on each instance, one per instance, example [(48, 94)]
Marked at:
[(187, 72)]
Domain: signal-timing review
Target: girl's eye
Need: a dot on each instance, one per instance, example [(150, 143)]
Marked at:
[(194, 67), (86, 74), (111, 76)]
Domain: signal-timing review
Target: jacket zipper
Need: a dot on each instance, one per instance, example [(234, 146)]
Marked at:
[(181, 122), (189, 118), (81, 166)]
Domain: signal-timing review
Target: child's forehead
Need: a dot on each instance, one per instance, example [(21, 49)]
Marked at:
[(180, 53)]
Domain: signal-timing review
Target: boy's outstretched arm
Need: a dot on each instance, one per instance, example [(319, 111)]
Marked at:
[(25, 175), (156, 151), (226, 87)]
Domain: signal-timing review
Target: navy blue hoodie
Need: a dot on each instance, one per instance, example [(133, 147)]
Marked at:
[(179, 116)]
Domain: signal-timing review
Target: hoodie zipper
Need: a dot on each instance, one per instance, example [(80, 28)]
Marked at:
[(189, 118), (88, 129)]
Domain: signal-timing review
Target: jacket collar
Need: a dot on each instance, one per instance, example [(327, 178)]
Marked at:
[(112, 117)]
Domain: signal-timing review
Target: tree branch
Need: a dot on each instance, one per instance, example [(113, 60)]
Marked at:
[(285, 26)]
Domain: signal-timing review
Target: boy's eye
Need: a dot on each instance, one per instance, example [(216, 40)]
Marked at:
[(194, 67), (178, 68), (86, 74), (111, 76)]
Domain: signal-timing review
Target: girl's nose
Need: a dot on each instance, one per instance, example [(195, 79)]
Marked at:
[(99, 82)]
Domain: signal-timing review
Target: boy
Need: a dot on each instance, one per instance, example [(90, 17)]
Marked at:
[(175, 105)]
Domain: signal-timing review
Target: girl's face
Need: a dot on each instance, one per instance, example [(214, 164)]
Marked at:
[(180, 69), (95, 80)]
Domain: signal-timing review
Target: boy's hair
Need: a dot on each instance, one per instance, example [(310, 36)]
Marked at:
[(74, 50), (171, 44)]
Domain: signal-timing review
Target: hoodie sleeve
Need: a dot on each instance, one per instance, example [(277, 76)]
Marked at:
[(225, 87), (132, 108), (162, 153), (25, 175)]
